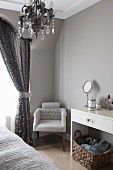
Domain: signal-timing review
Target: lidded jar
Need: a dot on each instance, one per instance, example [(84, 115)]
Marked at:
[(91, 104)]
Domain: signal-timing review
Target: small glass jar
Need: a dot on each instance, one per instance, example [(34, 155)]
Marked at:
[(91, 104), (98, 106)]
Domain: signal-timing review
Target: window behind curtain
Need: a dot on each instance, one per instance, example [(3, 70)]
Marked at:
[(8, 98)]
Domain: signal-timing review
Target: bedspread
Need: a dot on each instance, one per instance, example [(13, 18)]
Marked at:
[(15, 154)]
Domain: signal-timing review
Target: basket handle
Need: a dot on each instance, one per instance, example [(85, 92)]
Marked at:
[(79, 132)]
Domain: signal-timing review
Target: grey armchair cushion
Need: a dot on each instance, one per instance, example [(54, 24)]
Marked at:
[(50, 126)]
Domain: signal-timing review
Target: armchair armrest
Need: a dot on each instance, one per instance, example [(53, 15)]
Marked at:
[(63, 118), (36, 119)]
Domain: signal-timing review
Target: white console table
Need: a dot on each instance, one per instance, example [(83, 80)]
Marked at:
[(98, 119)]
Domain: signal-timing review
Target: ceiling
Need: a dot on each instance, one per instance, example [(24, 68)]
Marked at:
[(64, 8)]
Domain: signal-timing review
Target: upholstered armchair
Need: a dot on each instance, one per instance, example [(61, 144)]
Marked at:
[(50, 118)]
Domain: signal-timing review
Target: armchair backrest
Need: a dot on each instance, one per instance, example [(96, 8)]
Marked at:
[(50, 111), (50, 105), (50, 114)]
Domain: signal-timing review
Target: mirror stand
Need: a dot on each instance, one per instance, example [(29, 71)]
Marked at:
[(87, 88), (87, 101)]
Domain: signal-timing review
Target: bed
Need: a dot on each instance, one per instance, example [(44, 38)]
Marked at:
[(15, 154)]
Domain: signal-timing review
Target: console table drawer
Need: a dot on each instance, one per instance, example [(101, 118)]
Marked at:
[(101, 123), (91, 120)]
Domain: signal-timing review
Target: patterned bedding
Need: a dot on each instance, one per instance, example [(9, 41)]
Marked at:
[(15, 154)]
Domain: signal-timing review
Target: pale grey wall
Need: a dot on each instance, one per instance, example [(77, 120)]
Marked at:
[(10, 16), (84, 51), (42, 75)]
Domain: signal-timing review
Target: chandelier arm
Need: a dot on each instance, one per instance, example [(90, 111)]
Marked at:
[(36, 7), (23, 8)]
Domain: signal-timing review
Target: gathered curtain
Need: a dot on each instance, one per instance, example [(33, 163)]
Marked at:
[(16, 56)]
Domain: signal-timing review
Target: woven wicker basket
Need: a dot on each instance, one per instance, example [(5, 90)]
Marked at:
[(88, 159)]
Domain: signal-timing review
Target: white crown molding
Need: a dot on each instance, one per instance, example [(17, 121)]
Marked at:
[(14, 1), (75, 8), (72, 9), (15, 6)]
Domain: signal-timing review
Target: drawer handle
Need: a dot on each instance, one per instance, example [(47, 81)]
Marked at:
[(89, 120)]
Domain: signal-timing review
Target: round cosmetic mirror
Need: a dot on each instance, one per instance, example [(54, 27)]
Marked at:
[(87, 87)]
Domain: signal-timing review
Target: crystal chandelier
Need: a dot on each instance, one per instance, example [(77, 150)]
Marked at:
[(35, 17)]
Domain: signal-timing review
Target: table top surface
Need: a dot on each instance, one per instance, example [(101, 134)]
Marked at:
[(103, 112)]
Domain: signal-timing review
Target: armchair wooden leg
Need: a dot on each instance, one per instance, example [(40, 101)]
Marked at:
[(34, 139), (63, 141), (36, 135), (34, 142)]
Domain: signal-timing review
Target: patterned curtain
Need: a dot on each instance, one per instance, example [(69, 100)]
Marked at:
[(16, 56)]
